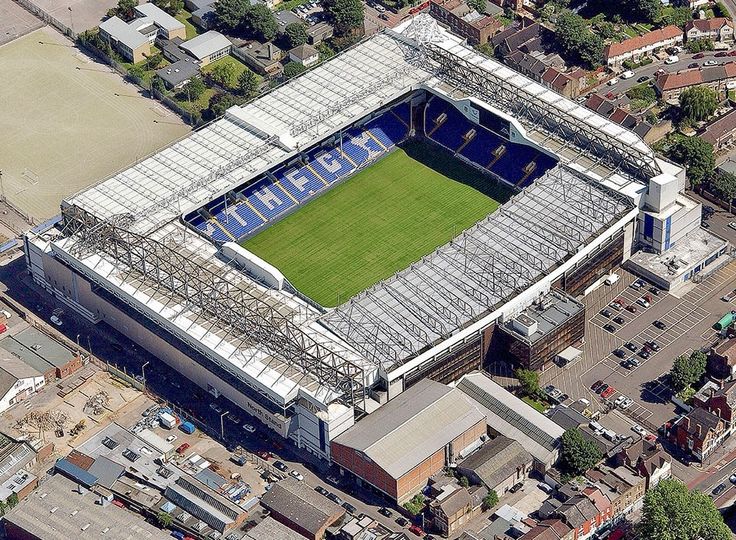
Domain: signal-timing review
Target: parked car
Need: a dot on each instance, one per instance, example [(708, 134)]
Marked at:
[(563, 398), (385, 512), (627, 74), (693, 65), (607, 314), (659, 324), (732, 53), (602, 388), (610, 328), (673, 59), (608, 392), (721, 54), (263, 454), (631, 346), (619, 320), (654, 291), (321, 491), (516, 487), (732, 225), (334, 498), (249, 428), (631, 308), (349, 507), (644, 353), (654, 346), (296, 474), (634, 362), (280, 465), (698, 56), (170, 438), (182, 448), (596, 386), (401, 521), (710, 63), (626, 403), (620, 353), (643, 78), (636, 428), (56, 320), (732, 478), (612, 81), (643, 302), (720, 488), (416, 529)]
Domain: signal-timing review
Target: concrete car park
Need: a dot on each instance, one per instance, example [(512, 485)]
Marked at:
[(687, 326)]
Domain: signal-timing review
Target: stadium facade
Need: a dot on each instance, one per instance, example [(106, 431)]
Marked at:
[(153, 250)]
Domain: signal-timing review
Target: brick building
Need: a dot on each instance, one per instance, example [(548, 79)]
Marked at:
[(639, 47), (465, 21), (699, 432), (399, 447), (716, 29)]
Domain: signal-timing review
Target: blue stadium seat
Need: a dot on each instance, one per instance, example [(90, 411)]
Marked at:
[(330, 165), (403, 111), (301, 183), (239, 220), (361, 147), (450, 133), (268, 198), (480, 149), (388, 129)]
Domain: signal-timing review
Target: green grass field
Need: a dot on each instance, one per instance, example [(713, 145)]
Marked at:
[(376, 223)]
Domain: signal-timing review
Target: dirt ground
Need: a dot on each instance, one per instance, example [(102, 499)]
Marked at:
[(15, 21), (69, 122), (121, 400)]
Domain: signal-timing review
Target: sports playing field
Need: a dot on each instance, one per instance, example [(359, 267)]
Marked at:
[(376, 223)]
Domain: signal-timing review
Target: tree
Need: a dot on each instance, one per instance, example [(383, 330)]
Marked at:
[(678, 16), (192, 90), (529, 381), (345, 15), (642, 10), (164, 519), (478, 5), (175, 6), (464, 482), (687, 370), (698, 103), (295, 34), (671, 512), (578, 453), (12, 500), (697, 157), (490, 500), (230, 13), (157, 83), (725, 184), (219, 103), (224, 74), (136, 73), (248, 83), (292, 69), (152, 62), (259, 23), (415, 505), (126, 9), (576, 41), (720, 10)]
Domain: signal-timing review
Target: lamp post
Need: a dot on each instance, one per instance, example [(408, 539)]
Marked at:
[(222, 424), (143, 373), (71, 17)]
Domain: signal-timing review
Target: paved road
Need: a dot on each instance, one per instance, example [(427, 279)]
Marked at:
[(685, 60)]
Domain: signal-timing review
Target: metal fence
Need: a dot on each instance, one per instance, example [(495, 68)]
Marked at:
[(46, 17)]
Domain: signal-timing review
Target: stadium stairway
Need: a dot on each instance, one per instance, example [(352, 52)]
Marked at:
[(241, 212)]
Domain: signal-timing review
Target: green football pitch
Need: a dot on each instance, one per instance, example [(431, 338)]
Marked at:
[(377, 222)]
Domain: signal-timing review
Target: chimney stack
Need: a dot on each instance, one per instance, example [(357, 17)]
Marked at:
[(700, 431), (270, 50)]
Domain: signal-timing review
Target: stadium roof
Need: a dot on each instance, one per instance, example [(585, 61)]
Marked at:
[(478, 270), (412, 427)]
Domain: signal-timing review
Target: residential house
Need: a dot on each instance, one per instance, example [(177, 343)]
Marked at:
[(396, 449), (643, 46), (452, 513), (647, 459), (608, 109), (304, 54), (569, 85), (549, 529), (699, 432), (302, 509), (671, 85), (619, 490), (722, 403), (722, 359), (721, 132), (208, 47), (465, 21), (717, 29), (499, 464), (580, 514), (319, 32), (263, 58)]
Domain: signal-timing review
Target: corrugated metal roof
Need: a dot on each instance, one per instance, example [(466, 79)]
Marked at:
[(77, 474)]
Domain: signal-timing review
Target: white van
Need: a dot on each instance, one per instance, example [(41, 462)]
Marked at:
[(611, 279), (627, 74), (672, 59)]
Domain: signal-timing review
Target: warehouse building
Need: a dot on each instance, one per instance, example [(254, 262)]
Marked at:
[(399, 447)]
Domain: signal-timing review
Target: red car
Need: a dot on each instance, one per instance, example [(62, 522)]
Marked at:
[(698, 56), (416, 529), (721, 54), (264, 454), (182, 448), (632, 309), (732, 53), (608, 392)]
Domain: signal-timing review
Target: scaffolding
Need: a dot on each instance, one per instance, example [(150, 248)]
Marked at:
[(246, 318)]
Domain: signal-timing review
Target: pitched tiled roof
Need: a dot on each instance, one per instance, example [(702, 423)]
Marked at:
[(647, 40), (707, 25), (714, 131)]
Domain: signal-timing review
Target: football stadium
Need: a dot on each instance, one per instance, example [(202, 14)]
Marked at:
[(368, 224)]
